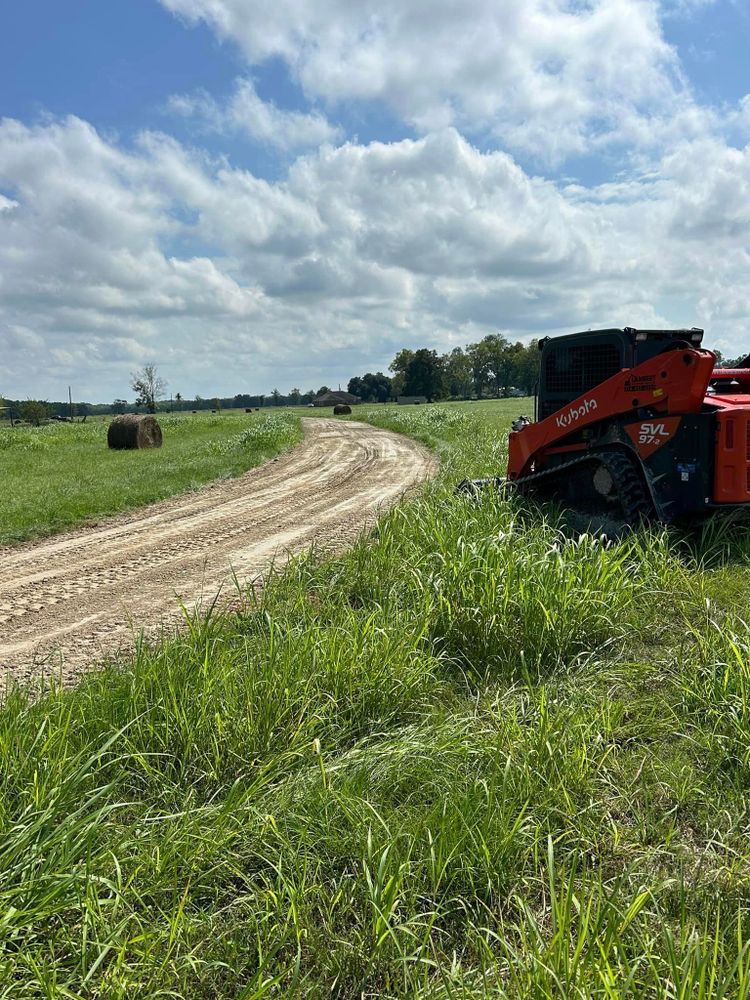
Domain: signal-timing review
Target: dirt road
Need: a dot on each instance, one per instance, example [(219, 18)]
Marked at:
[(76, 597)]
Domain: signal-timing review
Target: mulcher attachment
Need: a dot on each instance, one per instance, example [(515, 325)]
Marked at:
[(473, 487)]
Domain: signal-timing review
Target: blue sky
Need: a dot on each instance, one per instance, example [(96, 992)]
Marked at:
[(254, 196), (712, 40)]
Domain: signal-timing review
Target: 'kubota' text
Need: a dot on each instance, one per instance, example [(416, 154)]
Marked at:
[(575, 413)]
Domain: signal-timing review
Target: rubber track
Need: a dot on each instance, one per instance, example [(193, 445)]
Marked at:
[(632, 494)]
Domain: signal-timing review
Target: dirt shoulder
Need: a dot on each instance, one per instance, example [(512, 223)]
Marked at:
[(69, 600)]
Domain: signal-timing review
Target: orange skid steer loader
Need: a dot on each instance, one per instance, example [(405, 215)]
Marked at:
[(634, 424)]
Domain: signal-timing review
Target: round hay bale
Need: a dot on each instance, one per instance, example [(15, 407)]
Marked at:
[(248, 409), (340, 409), (133, 430)]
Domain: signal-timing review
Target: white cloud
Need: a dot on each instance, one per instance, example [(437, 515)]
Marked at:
[(545, 76), (20, 338), (85, 259), (230, 282), (245, 112)]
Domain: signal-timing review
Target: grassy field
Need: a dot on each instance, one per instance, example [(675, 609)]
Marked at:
[(474, 757), (58, 475)]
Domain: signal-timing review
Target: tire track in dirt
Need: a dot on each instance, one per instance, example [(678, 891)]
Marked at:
[(75, 598)]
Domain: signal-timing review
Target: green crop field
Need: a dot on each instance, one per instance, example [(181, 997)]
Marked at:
[(473, 757), (58, 475)]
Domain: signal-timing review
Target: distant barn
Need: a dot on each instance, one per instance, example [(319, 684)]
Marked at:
[(334, 398)]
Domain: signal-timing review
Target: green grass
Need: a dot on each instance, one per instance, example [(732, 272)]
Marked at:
[(471, 758), (58, 475)]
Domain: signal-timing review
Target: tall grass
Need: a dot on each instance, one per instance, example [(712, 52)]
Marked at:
[(58, 475), (473, 757)]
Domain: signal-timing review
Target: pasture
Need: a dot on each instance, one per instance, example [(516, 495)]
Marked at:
[(473, 757), (58, 475)]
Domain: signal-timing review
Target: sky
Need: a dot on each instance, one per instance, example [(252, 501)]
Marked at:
[(254, 195)]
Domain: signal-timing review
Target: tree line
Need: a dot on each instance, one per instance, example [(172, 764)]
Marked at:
[(493, 366), (38, 411)]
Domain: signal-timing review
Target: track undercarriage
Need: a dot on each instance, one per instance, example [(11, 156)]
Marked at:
[(605, 490)]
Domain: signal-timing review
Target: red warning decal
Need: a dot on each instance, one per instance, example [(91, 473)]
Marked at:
[(649, 435)]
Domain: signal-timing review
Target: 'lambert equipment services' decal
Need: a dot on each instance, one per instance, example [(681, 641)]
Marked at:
[(650, 435), (640, 383), (574, 413)]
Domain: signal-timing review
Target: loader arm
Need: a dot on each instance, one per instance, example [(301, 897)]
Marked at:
[(674, 382)]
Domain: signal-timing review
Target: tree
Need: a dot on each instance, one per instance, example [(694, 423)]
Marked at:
[(377, 386), (148, 387), (119, 406), (295, 397), (322, 390), (525, 365), (371, 388), (479, 362), (357, 387), (399, 366), (490, 363), (417, 373), (424, 375), (276, 397), (262, 398), (458, 375), (742, 362), (178, 400), (34, 411)]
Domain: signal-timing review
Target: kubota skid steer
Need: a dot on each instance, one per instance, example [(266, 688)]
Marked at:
[(634, 424)]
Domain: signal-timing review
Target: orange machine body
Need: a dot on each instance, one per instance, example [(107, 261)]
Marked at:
[(684, 423)]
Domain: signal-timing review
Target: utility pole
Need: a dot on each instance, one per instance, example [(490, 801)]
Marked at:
[(70, 405)]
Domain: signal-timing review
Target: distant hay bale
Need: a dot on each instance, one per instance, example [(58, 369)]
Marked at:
[(248, 409), (133, 430), (340, 409)]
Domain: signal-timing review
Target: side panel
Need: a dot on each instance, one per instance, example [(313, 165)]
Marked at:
[(732, 472), (650, 435)]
